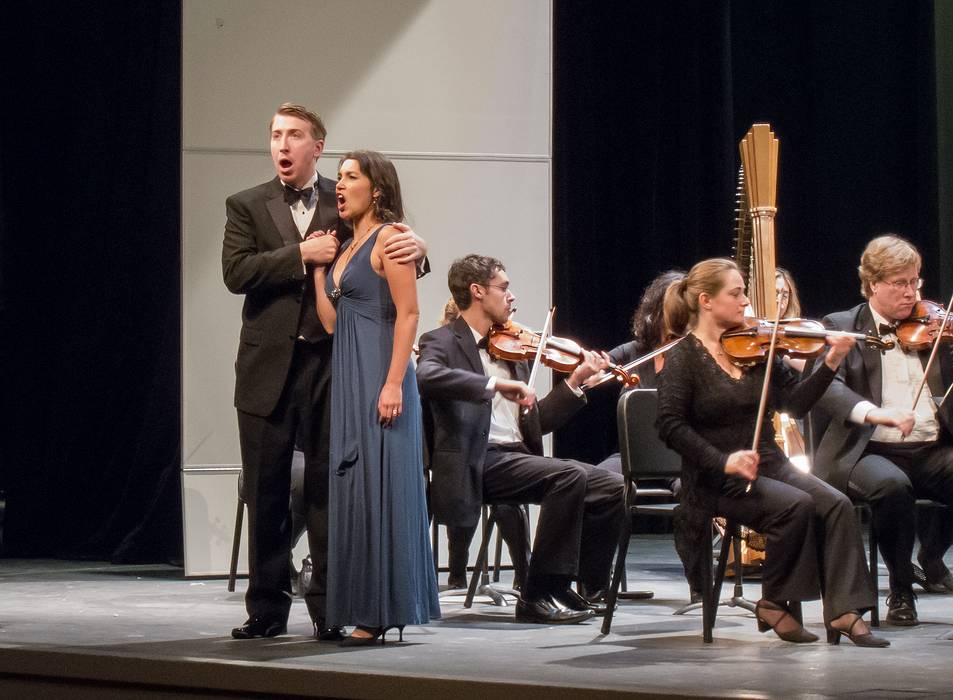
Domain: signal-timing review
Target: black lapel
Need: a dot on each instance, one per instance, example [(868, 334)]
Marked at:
[(935, 377), (281, 215), (464, 336), (872, 363)]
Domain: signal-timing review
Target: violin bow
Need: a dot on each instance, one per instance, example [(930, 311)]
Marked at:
[(936, 346), (769, 364), (635, 363), (543, 337)]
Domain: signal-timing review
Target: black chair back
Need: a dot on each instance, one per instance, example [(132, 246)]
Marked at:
[(644, 455)]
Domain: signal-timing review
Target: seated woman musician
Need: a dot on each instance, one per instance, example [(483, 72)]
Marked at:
[(708, 410)]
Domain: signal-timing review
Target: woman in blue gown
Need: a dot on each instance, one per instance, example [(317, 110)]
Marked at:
[(380, 565)]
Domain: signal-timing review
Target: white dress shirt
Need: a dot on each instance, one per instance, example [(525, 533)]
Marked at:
[(303, 213), (901, 373), (505, 414)]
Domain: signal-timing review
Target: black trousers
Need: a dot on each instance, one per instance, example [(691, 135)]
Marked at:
[(813, 544), (890, 477), (581, 511), (302, 416)]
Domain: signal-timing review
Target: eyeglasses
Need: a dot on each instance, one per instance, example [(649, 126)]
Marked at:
[(900, 285), (505, 288)]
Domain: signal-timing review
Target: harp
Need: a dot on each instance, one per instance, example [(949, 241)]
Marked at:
[(755, 211), (754, 251)]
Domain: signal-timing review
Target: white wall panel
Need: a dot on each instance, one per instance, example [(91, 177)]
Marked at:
[(458, 93)]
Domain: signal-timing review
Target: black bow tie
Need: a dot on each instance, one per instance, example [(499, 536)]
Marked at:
[(292, 195), (483, 343), (887, 329)]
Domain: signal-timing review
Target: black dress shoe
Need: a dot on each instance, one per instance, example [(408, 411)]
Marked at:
[(323, 633), (457, 582), (901, 608), (696, 597), (544, 611), (573, 601), (259, 627)]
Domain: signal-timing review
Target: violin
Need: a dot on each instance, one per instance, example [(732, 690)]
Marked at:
[(511, 341), (798, 338), (919, 330)]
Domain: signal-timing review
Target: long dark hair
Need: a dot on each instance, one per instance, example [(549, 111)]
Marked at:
[(388, 205), (648, 321)]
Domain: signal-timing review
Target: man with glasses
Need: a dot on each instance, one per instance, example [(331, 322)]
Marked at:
[(878, 446), (487, 448)]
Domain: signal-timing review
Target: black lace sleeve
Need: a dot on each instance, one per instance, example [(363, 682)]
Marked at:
[(677, 385), (795, 394)]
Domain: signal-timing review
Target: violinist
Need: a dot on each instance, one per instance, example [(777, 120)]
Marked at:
[(708, 410), (877, 447), (511, 520), (486, 449), (648, 333)]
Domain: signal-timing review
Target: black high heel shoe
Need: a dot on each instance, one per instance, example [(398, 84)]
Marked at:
[(377, 632), (861, 640), (798, 635)]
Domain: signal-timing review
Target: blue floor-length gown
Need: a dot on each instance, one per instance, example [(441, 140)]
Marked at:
[(380, 565)]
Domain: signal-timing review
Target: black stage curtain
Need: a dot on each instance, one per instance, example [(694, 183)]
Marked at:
[(650, 101), (89, 205)]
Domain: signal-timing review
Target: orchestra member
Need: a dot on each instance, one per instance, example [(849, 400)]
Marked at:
[(487, 448), (648, 333), (876, 446), (707, 412)]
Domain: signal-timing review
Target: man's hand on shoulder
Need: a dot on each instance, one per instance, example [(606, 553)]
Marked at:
[(404, 245), (319, 248)]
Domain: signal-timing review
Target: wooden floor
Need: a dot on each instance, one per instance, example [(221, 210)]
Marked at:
[(82, 630)]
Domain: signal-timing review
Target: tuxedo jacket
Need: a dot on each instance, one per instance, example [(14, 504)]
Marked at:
[(859, 378), (453, 385), (261, 259)]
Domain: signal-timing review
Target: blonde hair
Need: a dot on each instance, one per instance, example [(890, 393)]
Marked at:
[(794, 301), (290, 109), (885, 256), (681, 298), (450, 312)]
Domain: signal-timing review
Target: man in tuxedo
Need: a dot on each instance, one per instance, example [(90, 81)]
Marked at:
[(876, 445), (487, 448), (275, 234)]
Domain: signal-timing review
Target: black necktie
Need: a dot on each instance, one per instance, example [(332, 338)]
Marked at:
[(292, 195), (887, 329)]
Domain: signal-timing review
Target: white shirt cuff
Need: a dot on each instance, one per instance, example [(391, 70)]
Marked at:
[(858, 414), (574, 389), (491, 387)]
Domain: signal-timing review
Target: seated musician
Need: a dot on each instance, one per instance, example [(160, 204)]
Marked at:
[(488, 449), (648, 334), (510, 520), (876, 447), (708, 410)]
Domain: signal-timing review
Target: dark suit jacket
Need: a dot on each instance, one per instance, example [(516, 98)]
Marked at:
[(453, 384), (261, 259), (858, 379)]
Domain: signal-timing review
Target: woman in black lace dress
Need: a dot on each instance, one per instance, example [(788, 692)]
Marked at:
[(707, 413)]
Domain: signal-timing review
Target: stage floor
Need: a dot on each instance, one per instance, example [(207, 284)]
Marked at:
[(88, 630)]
